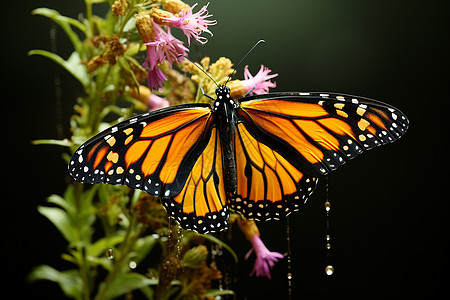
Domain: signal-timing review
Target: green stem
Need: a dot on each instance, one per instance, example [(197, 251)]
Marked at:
[(89, 32), (124, 249), (82, 262), (130, 13)]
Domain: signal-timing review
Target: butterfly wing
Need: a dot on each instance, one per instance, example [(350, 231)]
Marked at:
[(268, 186), (201, 204), (284, 140), (167, 153), (317, 133)]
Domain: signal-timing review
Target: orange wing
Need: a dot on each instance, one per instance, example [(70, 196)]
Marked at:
[(154, 152), (284, 141), (317, 133), (201, 204), (268, 186), (173, 153)]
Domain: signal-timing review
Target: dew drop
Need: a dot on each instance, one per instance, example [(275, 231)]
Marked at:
[(289, 276), (329, 270), (110, 254), (132, 264), (327, 206)]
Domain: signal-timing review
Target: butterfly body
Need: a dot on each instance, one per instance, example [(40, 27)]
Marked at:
[(259, 155), (224, 107)]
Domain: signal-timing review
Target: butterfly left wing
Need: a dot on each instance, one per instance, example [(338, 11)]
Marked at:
[(173, 153), (153, 152), (201, 204), (318, 132)]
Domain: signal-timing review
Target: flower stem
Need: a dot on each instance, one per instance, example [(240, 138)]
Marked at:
[(89, 31), (131, 237), (82, 262)]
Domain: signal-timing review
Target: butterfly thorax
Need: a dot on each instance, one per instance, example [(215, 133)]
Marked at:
[(225, 109)]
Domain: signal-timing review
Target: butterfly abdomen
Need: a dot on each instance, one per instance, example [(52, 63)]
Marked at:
[(224, 107), (229, 164)]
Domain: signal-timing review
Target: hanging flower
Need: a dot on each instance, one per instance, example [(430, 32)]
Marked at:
[(164, 46), (265, 259), (192, 24), (161, 45), (256, 85)]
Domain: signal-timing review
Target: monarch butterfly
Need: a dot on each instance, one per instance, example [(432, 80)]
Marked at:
[(258, 155)]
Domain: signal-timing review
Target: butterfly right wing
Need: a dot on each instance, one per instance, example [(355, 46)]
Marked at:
[(268, 186)]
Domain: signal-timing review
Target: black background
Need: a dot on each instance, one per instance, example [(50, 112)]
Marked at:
[(389, 207)]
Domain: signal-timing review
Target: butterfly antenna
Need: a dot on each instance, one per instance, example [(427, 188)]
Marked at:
[(200, 68), (235, 69)]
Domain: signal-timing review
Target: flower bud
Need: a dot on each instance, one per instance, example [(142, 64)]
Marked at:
[(145, 26), (160, 16), (119, 7), (194, 257), (175, 6), (249, 228), (142, 94), (237, 89)]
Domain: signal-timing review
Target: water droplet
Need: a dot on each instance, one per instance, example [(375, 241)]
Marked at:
[(110, 254), (132, 264), (329, 270), (328, 246), (289, 276), (328, 237), (327, 206)]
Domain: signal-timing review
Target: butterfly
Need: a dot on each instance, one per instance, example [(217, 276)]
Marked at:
[(258, 155)]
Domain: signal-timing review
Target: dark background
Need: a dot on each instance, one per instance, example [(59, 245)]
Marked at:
[(390, 206)]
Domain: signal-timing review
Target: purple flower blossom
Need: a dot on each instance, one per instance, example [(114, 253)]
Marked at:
[(265, 260), (155, 78), (164, 46), (193, 24), (260, 83)]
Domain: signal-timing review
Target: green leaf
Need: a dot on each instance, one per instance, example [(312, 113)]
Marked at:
[(215, 292), (103, 244), (72, 65), (65, 23), (126, 282), (60, 201), (61, 220), (69, 281), (64, 142)]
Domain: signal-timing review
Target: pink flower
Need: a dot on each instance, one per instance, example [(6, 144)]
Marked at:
[(155, 78), (265, 260), (260, 83), (164, 46), (156, 102), (193, 24)]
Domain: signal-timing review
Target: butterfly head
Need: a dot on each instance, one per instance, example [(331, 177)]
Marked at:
[(224, 98), (223, 92)]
